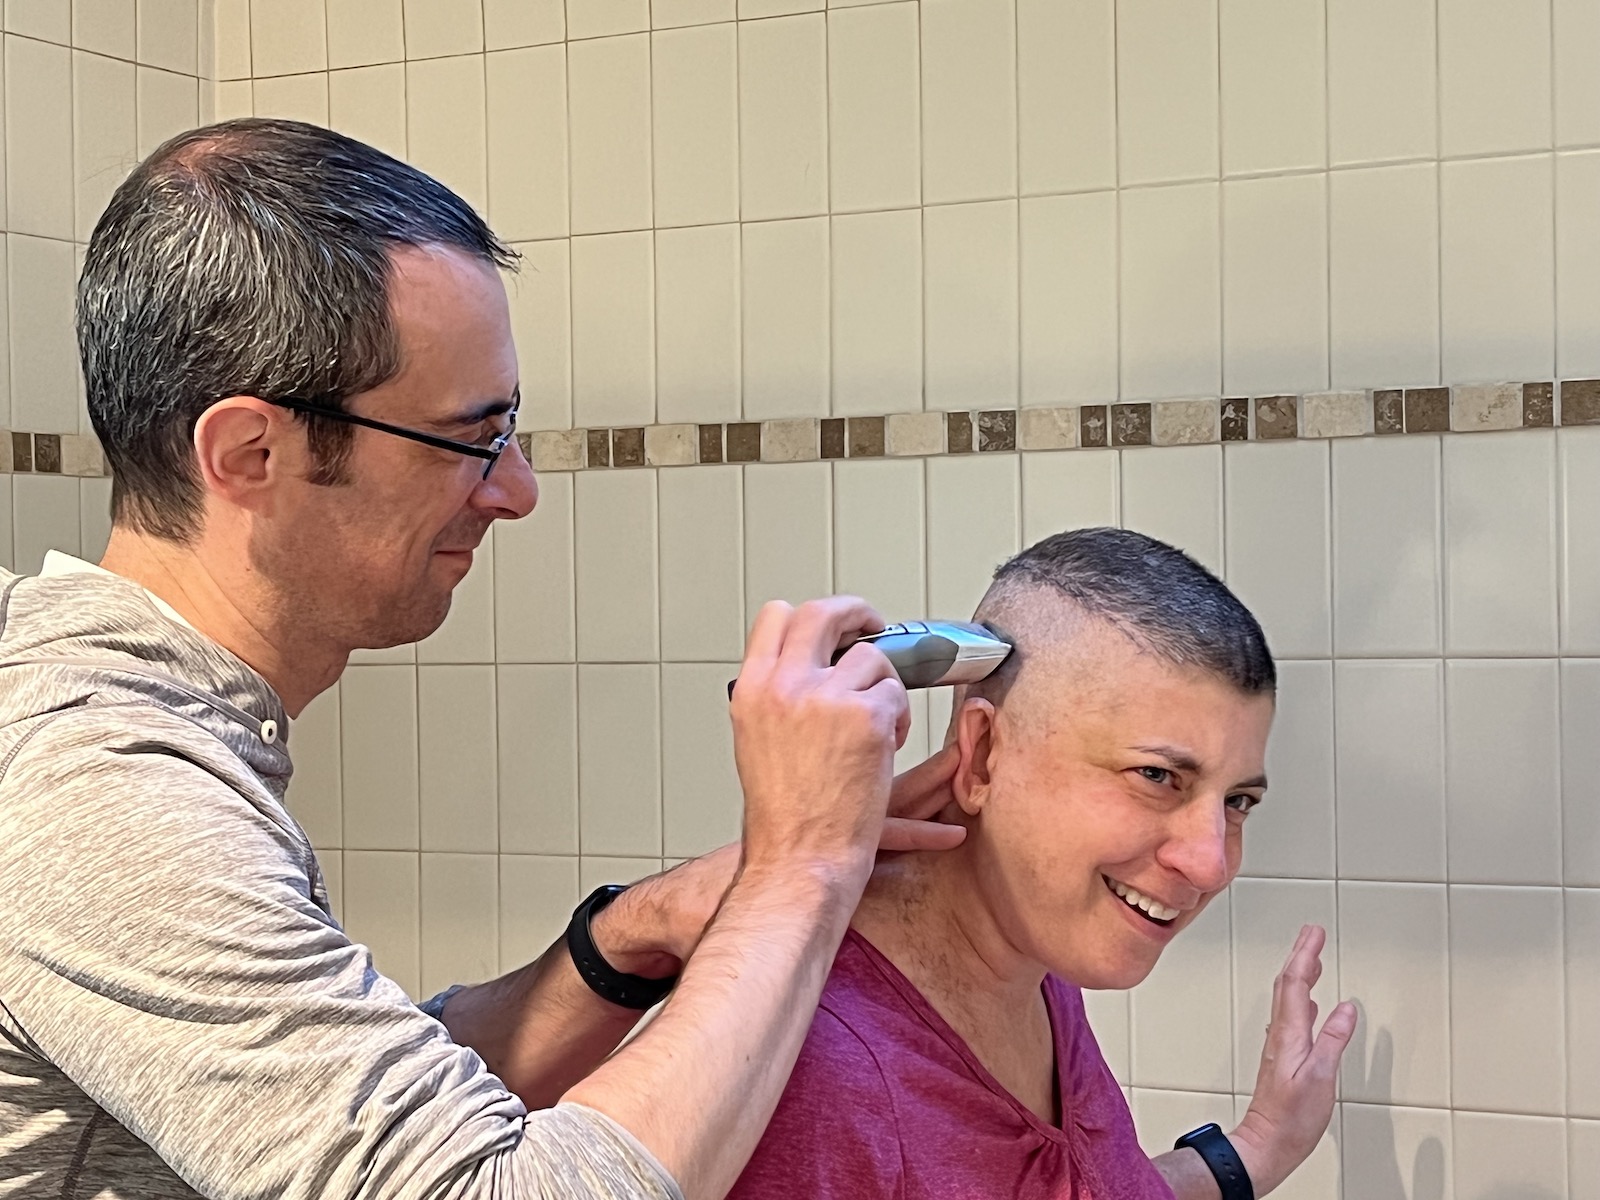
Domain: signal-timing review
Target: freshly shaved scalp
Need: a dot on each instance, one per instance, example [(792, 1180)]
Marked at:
[(1074, 585)]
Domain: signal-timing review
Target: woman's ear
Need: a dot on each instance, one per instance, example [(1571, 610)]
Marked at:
[(974, 733)]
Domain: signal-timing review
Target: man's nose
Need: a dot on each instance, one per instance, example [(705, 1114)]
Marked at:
[(511, 491)]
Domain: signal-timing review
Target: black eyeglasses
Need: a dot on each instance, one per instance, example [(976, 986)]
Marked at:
[(491, 453)]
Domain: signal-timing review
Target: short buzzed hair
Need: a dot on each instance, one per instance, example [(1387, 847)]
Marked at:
[(1154, 594)]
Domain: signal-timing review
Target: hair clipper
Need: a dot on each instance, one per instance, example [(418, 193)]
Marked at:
[(934, 653)]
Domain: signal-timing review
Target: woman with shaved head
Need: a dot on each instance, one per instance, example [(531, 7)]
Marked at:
[(1106, 774)]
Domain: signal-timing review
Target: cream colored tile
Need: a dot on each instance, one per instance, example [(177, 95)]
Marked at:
[(749, 9), (460, 920), (383, 911), (1066, 95), (508, 24), (1502, 739), (168, 35), (436, 28), (1069, 298), (1580, 772), (364, 33), (559, 450), (1267, 918), (619, 759), (1274, 282), (1390, 767), (533, 579), (44, 382), (791, 441), (1382, 80), (1394, 963), (878, 533), (369, 104), (233, 39), (1047, 428), (785, 314), (877, 313), (1400, 1152), (108, 27), (694, 80), (593, 871), (613, 330), (788, 534), (445, 123), (331, 864), (167, 105), (616, 557), (1482, 42), (1497, 268), (237, 99), (783, 117), (702, 804), (914, 434), (537, 712), (1505, 958), (608, 114), (606, 18), (973, 503), (1068, 491), (38, 109), (315, 792), (1384, 276), (702, 567), (1274, 87), (42, 20), (1583, 1000), (467, 635), (296, 97), (1475, 408), (1498, 1155), (1293, 834), (1387, 536), (540, 296), (537, 896), (1182, 1028), (1578, 265), (970, 276), (45, 512), (1161, 1117), (1175, 493), (94, 518), (1166, 91), (527, 126), (378, 757), (458, 758), (1277, 542), (106, 135), (874, 106), (671, 14), (698, 372), (1108, 1018), (969, 100), (289, 38), (1577, 92), (6, 523), (1584, 1172), (1500, 544), (1170, 293)]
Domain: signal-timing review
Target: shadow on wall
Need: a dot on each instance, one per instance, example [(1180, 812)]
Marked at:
[(1376, 1077)]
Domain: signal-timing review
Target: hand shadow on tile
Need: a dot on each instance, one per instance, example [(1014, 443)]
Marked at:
[(1376, 1075)]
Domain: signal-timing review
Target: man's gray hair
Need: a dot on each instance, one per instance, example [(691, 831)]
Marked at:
[(1159, 597), (247, 258)]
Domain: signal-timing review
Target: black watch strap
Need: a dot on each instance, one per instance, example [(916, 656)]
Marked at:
[(604, 980), (1213, 1145)]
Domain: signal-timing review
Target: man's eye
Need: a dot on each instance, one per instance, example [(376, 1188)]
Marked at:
[(1156, 774), (1243, 803)]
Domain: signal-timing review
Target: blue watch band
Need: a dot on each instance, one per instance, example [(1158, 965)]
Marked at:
[(1214, 1147)]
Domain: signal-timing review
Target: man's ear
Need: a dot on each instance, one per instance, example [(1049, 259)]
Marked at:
[(974, 733), (239, 445)]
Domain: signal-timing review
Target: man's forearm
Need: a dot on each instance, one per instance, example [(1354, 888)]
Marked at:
[(724, 1046)]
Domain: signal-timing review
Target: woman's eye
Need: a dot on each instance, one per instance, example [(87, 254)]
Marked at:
[(1243, 803), (1156, 774)]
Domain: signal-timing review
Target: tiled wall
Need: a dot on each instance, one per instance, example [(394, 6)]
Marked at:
[(746, 211), (89, 87)]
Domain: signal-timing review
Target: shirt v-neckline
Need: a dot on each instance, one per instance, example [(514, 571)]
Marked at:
[(930, 1016)]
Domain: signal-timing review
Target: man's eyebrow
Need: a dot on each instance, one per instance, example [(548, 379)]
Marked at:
[(481, 412)]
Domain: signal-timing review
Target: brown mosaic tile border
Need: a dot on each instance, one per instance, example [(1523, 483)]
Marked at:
[(1383, 412)]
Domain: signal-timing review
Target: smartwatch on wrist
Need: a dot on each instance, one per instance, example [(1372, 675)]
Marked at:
[(1214, 1147), (604, 980)]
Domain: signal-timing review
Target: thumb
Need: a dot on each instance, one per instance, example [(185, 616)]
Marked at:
[(1335, 1036), (900, 834), (925, 789)]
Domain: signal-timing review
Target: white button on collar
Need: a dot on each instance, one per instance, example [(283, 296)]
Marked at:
[(269, 732)]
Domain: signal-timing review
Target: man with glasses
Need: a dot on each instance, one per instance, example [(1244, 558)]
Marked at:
[(299, 362)]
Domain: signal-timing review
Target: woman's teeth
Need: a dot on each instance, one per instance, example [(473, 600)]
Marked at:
[(1143, 903)]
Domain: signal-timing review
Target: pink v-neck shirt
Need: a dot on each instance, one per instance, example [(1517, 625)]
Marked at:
[(888, 1103)]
